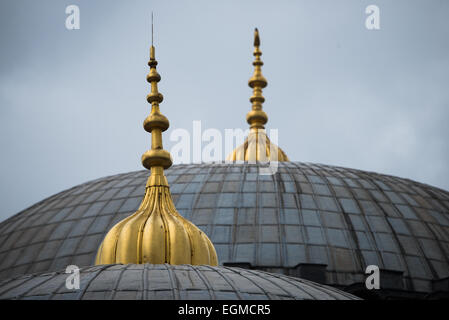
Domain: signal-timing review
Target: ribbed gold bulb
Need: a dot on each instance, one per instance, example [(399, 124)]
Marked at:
[(257, 147)]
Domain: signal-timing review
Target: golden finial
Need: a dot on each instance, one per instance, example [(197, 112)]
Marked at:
[(256, 118), (257, 146), (156, 233)]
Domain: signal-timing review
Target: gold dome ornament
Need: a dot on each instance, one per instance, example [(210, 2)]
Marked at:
[(156, 233), (257, 146)]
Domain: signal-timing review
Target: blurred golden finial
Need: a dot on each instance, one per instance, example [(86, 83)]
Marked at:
[(156, 233), (256, 118), (257, 146)]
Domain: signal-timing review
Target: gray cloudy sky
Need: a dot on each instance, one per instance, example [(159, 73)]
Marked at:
[(72, 103)]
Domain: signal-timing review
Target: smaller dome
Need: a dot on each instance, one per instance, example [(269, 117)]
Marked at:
[(167, 282)]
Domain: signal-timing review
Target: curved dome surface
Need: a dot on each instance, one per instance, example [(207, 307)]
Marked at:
[(167, 282), (334, 219)]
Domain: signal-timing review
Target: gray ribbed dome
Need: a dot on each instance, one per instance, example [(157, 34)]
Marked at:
[(306, 217), (166, 282)]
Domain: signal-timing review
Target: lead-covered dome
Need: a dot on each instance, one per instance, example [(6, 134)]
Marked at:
[(320, 222), (168, 282)]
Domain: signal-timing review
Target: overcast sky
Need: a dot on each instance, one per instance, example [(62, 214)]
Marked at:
[(72, 102)]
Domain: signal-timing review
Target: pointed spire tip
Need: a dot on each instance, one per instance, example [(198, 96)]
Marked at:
[(152, 28), (256, 38)]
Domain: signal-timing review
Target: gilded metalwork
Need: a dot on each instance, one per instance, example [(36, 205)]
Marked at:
[(257, 146), (156, 233)]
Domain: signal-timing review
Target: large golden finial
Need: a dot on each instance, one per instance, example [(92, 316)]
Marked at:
[(257, 146), (156, 233)]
